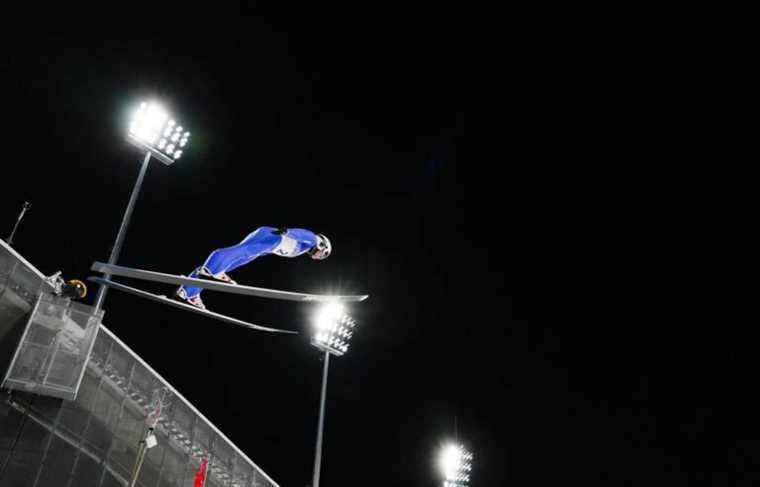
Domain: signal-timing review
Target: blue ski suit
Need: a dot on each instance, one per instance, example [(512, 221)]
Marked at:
[(290, 242)]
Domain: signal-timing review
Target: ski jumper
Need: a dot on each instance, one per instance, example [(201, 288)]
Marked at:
[(291, 242)]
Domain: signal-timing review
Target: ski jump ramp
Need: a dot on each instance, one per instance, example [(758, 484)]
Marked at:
[(96, 434)]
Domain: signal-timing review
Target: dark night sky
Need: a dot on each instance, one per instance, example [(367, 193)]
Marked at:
[(357, 130)]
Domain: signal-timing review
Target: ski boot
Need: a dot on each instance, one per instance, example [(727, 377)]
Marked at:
[(181, 295)]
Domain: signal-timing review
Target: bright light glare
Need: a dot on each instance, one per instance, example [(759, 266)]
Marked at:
[(451, 459), (333, 328), (151, 125), (456, 465), (148, 122), (328, 314)]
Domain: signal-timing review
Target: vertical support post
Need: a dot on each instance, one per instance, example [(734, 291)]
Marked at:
[(318, 454), (208, 469), (142, 451), (21, 341), (53, 434), (122, 230), (138, 464), (122, 406), (90, 408), (7, 279), (152, 421), (20, 216)]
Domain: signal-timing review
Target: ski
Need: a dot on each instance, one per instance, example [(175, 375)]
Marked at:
[(116, 270), (187, 307)]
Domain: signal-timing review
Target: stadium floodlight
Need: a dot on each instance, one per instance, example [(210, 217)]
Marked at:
[(153, 130), (456, 465), (333, 329)]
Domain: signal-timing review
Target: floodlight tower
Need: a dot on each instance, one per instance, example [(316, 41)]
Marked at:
[(456, 464), (333, 331), (154, 132)]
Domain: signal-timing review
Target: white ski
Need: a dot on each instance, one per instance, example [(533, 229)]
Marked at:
[(116, 270), (188, 307)]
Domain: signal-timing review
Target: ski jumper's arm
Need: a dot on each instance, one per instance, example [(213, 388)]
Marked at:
[(302, 241)]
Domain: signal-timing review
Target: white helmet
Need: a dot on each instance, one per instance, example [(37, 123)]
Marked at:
[(322, 249)]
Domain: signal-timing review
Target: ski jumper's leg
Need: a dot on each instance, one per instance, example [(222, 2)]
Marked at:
[(226, 259), (216, 259), (241, 261), (258, 243), (219, 260)]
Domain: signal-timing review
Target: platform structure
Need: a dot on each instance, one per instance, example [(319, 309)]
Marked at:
[(47, 441)]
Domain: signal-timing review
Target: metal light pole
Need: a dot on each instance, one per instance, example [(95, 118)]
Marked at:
[(25, 207), (152, 131), (123, 229), (320, 428), (334, 329)]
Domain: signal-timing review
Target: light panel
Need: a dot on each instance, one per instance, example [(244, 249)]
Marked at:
[(152, 128), (333, 328), (456, 465)]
